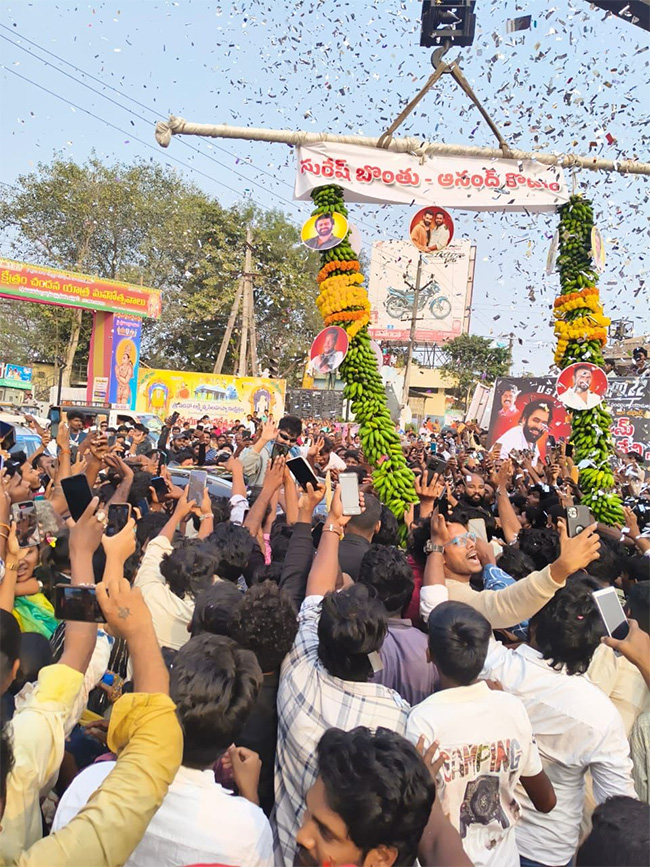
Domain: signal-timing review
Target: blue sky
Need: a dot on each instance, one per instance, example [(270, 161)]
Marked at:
[(349, 67)]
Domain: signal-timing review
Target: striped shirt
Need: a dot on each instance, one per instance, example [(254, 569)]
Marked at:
[(310, 701)]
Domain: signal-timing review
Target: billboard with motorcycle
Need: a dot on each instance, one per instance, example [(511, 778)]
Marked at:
[(445, 296)]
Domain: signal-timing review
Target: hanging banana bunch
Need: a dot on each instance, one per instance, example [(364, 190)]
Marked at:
[(581, 331), (343, 301)]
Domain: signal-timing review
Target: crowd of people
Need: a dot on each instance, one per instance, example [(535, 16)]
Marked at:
[(265, 679)]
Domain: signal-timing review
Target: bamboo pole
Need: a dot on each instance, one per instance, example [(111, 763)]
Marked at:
[(179, 126)]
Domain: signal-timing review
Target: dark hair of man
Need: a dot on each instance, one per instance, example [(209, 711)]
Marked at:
[(378, 784), (576, 370), (74, 414), (291, 424), (266, 623), (533, 405), (388, 532), (215, 608), (221, 509), (9, 645), (351, 453), (535, 517), (607, 568), (430, 213), (140, 487), (620, 834), (555, 513), (368, 519), (352, 624), (359, 471), (6, 764), (568, 629), (184, 455), (638, 604), (149, 526), (515, 562), (189, 568), (458, 641), (386, 569), (35, 654), (141, 427), (322, 217), (637, 567), (542, 546), (281, 534), (269, 572), (214, 684), (231, 545)]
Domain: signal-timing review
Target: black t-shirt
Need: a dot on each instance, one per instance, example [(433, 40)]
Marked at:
[(260, 734)]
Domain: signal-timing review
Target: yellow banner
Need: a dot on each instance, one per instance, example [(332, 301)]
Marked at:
[(223, 398)]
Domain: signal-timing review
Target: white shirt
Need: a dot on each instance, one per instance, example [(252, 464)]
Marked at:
[(199, 822), (439, 237), (577, 728), (515, 439), (487, 743), (573, 399), (310, 701), (170, 613), (327, 363)]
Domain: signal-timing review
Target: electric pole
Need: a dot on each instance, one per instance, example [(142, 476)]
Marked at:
[(248, 338)]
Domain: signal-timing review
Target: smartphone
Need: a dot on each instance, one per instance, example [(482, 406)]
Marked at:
[(201, 454), (7, 436), (477, 526), (195, 489), (78, 495), (568, 450), (160, 486), (316, 534), (118, 518), (279, 450), (435, 465), (302, 472), (433, 448), (578, 517), (26, 518), (174, 418), (78, 602), (223, 457), (54, 416), (611, 610), (349, 484)]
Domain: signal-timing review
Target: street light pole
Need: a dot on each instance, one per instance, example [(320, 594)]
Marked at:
[(414, 319)]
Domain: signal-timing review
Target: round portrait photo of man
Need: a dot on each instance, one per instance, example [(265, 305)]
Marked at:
[(324, 231), (431, 229), (581, 385), (328, 350)]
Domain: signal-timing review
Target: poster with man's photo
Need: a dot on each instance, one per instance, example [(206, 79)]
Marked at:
[(527, 415)]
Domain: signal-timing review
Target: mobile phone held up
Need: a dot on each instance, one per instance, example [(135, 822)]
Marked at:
[(118, 518), (78, 495), (54, 415), (349, 484), (26, 518), (577, 519), (159, 485), (279, 450), (195, 489), (611, 611), (302, 472), (77, 602)]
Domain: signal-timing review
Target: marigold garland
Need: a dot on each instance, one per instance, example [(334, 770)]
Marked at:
[(343, 301)]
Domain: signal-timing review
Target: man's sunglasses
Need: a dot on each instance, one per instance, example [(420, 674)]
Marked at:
[(287, 439), (461, 541)]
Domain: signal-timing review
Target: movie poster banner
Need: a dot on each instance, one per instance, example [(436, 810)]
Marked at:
[(527, 412), (472, 183), (225, 399), (445, 295), (125, 362)]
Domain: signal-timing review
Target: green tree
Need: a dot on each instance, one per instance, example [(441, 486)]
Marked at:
[(472, 359), (130, 222), (190, 331)]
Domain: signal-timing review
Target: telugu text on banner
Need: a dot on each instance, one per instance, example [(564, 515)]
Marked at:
[(469, 183)]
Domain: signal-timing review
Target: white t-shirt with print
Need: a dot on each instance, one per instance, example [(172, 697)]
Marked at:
[(487, 742)]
